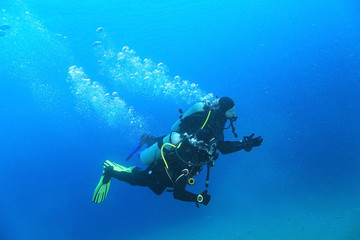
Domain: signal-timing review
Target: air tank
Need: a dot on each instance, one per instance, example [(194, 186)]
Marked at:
[(153, 153), (196, 107)]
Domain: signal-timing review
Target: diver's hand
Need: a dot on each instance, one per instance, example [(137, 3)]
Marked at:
[(250, 142), (204, 198)]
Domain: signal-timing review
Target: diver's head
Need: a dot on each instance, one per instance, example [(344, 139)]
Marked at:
[(227, 107)]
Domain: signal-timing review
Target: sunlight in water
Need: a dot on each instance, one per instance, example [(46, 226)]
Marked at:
[(29, 51)]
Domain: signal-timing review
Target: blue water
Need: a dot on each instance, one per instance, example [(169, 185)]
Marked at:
[(292, 67)]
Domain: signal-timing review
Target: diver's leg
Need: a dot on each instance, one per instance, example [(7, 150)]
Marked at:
[(135, 177), (103, 186), (144, 178)]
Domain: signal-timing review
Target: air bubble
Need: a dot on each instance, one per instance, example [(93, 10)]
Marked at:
[(96, 44), (147, 78)]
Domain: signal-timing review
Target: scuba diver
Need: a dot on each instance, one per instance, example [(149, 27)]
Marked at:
[(212, 116), (174, 160)]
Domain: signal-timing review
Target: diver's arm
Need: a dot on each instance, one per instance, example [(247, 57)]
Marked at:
[(226, 147), (247, 144), (180, 193)]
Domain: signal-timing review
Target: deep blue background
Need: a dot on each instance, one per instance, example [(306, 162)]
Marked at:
[(292, 68)]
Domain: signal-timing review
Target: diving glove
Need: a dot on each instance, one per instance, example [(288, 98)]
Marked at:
[(203, 198), (250, 142)]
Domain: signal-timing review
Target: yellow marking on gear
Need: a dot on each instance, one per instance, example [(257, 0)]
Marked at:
[(191, 181), (206, 120), (162, 152)]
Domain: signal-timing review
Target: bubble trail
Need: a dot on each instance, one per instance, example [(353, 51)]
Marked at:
[(109, 108), (127, 70)]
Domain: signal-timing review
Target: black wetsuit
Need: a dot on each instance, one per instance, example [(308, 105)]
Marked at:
[(215, 124), (157, 177)]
